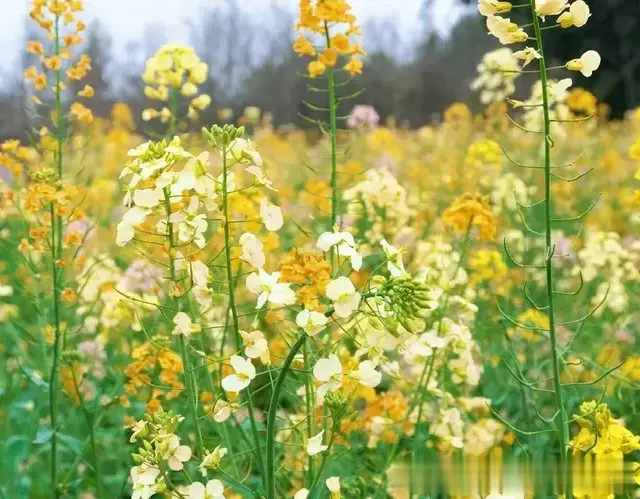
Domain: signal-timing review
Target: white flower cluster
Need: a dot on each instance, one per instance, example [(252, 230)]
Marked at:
[(434, 260), (455, 429), (557, 94), (155, 185), (508, 188), (380, 202), (496, 87), (604, 255), (497, 72), (161, 451), (101, 289), (172, 68)]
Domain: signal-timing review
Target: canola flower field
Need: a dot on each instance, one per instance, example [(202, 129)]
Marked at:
[(246, 311)]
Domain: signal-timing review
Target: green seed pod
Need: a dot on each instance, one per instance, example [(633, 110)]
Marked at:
[(45, 176), (337, 404)]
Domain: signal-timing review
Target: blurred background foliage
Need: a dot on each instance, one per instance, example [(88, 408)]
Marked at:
[(252, 64)]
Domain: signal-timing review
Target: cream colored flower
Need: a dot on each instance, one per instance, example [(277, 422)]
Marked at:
[(245, 372), (133, 218), (577, 16), (505, 31), (271, 215), (493, 7), (260, 176), (184, 325), (345, 246), (311, 321), (344, 295), (268, 287), (138, 429), (366, 374), (551, 7), (255, 344), (329, 372), (223, 410), (176, 454), (244, 151), (213, 490), (212, 459), (314, 445), (252, 250), (587, 64), (199, 273), (394, 255), (527, 55)]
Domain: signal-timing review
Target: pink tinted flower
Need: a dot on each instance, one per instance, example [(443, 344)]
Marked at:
[(95, 355), (363, 116), (143, 277)]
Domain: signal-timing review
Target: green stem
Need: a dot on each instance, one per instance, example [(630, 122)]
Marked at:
[(254, 431), (189, 379), (192, 393), (323, 463), (223, 426), (173, 105), (428, 371), (271, 417), (91, 423), (56, 251), (333, 131), (58, 103), (232, 303), (53, 378), (561, 425), (310, 410), (227, 252), (235, 484)]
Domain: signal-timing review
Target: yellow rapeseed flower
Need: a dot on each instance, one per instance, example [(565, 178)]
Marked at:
[(316, 68), (471, 209), (304, 47), (354, 66), (341, 44)]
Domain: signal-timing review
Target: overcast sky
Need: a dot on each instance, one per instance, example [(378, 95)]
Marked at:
[(125, 19)]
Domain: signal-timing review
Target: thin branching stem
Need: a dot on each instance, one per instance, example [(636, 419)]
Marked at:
[(556, 361), (188, 374), (56, 253)]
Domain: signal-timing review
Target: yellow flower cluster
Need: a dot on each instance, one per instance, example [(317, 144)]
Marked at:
[(147, 358), (601, 434), (471, 209), (15, 156), (487, 265), (71, 380), (582, 101), (634, 152), (532, 318), (171, 69), (484, 152), (458, 112), (316, 16), (48, 15), (309, 268)]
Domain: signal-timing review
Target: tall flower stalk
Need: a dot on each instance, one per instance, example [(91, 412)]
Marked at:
[(549, 251), (58, 20), (56, 248), (540, 113), (333, 24)]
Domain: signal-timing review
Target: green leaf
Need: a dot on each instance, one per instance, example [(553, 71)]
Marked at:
[(43, 435), (15, 450), (73, 444)]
